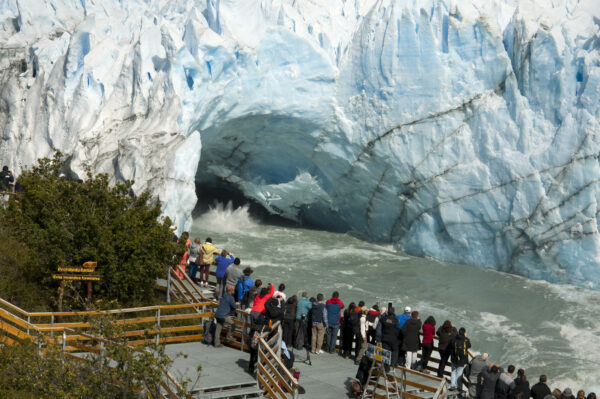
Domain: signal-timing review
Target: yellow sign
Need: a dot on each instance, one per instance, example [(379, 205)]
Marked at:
[(74, 277), (91, 265)]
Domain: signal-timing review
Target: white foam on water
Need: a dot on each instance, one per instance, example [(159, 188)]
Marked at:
[(224, 219)]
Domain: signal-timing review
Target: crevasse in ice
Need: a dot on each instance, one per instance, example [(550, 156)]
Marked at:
[(463, 131)]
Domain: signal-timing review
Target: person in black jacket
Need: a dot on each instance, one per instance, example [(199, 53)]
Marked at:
[(389, 334), (521, 389), (540, 390), (411, 342), (459, 357), (446, 334)]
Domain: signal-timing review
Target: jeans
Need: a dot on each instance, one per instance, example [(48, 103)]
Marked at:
[(318, 331), (220, 287), (456, 376), (193, 270), (332, 332)]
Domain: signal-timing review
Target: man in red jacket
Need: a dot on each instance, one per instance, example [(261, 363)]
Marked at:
[(334, 308)]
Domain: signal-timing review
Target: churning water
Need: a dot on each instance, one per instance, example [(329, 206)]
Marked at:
[(541, 327)]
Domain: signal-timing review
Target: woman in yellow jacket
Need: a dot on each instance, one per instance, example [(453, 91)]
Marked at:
[(207, 253)]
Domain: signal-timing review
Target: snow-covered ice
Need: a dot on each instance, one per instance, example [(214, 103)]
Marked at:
[(464, 131)]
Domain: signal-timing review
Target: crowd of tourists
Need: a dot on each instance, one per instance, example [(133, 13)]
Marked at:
[(315, 324)]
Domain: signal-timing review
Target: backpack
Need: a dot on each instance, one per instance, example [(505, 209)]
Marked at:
[(209, 332), (355, 321), (273, 308), (289, 312), (460, 349), (240, 287)]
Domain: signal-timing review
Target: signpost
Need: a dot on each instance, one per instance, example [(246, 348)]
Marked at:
[(74, 273), (381, 358)]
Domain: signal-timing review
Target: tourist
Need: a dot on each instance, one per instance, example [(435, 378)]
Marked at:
[(174, 238), (476, 366), (488, 378), (244, 283), (427, 344), (302, 312), (280, 292), (274, 308), (180, 271), (258, 305), (402, 318), (557, 393), (459, 357), (207, 253), (248, 299), (6, 179), (567, 394), (289, 317), (388, 328), (355, 321), (361, 340), (347, 331), (446, 334), (581, 394), (411, 340), (319, 323), (372, 320), (591, 395), (334, 311), (506, 383), (521, 389), (223, 261), (224, 315), (233, 273), (541, 390), (193, 258)]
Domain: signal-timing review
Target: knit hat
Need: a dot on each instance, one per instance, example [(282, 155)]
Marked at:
[(407, 309)]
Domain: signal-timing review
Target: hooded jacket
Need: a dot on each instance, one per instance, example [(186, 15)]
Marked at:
[(259, 302), (334, 309), (208, 252)]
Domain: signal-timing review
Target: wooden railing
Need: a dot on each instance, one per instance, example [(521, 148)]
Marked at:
[(14, 329), (274, 378)]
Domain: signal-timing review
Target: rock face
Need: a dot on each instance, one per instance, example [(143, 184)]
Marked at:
[(465, 132)]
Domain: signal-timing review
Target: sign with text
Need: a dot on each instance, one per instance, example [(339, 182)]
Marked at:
[(379, 354), (75, 277)]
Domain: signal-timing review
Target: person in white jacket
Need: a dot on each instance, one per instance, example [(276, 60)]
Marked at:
[(363, 334)]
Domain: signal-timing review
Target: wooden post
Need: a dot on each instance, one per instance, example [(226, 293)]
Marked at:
[(89, 294)]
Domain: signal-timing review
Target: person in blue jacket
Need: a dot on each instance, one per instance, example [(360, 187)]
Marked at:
[(223, 261), (244, 283)]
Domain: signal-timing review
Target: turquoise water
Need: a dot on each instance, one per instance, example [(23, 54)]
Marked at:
[(538, 326)]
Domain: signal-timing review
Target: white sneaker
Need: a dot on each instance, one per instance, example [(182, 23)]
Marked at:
[(319, 352)]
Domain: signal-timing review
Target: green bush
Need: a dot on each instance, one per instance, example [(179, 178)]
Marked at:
[(63, 220)]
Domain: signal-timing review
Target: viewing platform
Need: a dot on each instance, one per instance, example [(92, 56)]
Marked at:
[(222, 372)]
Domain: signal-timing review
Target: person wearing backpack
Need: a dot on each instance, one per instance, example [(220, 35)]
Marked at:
[(243, 283), (274, 308), (347, 332), (319, 323), (459, 358), (388, 325)]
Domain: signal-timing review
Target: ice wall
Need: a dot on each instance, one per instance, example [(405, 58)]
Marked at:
[(464, 131)]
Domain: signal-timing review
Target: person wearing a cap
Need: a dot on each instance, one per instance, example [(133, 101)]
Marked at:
[(402, 318), (567, 394)]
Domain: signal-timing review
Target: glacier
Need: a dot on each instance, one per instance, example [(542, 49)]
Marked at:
[(462, 131)]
